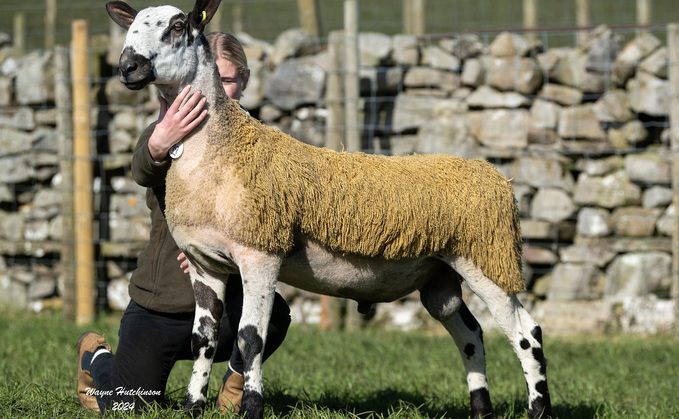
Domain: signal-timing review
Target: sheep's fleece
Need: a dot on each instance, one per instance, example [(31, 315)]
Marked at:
[(372, 205)]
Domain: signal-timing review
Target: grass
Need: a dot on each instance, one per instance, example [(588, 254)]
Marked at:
[(369, 374)]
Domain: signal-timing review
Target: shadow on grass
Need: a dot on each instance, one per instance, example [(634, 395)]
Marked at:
[(384, 403), (579, 411), (518, 408), (394, 404)]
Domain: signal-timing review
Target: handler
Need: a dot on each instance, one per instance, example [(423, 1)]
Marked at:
[(155, 330)]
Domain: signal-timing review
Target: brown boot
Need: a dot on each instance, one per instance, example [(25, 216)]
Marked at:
[(88, 342), (231, 393)]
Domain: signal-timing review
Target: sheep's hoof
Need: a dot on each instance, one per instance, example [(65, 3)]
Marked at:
[(252, 405), (193, 409)]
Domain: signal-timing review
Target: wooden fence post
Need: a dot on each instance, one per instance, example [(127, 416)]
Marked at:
[(309, 16), (353, 129), (82, 175), (65, 145), (50, 23), (643, 12), (334, 140), (581, 17), (351, 87), (19, 37), (407, 16), (530, 19), (334, 92), (673, 57), (414, 16)]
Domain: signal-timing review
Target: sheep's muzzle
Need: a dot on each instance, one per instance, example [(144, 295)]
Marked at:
[(135, 70)]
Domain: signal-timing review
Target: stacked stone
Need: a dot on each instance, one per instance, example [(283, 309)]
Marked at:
[(30, 204), (582, 133)]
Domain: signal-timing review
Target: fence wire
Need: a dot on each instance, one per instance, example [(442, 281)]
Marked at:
[(32, 239)]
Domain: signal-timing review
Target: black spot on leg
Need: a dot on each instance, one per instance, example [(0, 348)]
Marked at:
[(537, 334), (208, 327), (539, 356), (253, 344), (538, 353), (469, 350), (197, 341), (208, 299), (468, 318), (524, 344), (209, 353), (541, 387)]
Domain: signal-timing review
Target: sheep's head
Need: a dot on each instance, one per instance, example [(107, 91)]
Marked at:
[(161, 43)]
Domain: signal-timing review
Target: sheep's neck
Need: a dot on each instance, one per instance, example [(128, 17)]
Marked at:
[(206, 80)]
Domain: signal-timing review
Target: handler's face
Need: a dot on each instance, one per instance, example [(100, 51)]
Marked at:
[(233, 83)]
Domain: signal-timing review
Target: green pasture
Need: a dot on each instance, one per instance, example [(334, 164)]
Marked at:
[(368, 374), (266, 19)]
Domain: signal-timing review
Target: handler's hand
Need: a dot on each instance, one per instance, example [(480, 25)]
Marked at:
[(184, 262), (174, 123)]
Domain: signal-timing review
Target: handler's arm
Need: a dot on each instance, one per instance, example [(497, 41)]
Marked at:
[(150, 160), (145, 170)]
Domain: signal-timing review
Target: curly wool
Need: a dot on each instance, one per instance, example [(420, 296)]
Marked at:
[(377, 206)]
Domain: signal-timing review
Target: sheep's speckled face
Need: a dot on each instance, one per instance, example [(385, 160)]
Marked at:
[(158, 48)]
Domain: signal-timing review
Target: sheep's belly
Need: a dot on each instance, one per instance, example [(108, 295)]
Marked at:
[(316, 269)]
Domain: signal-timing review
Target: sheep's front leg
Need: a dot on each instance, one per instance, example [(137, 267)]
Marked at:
[(259, 285), (209, 292)]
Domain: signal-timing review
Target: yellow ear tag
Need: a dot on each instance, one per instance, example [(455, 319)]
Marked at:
[(204, 15)]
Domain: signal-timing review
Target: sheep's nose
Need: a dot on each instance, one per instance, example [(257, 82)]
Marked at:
[(127, 68), (129, 62)]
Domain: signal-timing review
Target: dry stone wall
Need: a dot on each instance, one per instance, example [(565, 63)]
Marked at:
[(583, 132)]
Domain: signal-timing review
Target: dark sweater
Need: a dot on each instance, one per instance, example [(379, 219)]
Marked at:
[(158, 283)]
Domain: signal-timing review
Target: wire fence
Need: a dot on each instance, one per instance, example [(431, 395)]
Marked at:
[(586, 138), (266, 19)]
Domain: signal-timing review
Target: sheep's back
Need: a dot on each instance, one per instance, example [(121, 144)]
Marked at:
[(384, 206)]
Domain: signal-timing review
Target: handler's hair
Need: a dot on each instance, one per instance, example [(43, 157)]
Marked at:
[(225, 45)]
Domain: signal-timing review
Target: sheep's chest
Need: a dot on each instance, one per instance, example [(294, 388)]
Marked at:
[(202, 194)]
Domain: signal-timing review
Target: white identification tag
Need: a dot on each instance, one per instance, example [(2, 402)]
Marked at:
[(176, 150)]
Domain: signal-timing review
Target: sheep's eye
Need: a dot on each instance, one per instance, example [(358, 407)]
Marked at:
[(179, 26)]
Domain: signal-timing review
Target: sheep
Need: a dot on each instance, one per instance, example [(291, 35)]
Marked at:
[(243, 197)]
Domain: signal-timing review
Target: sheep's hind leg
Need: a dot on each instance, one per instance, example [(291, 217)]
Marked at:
[(523, 332), (468, 336), (209, 293), (442, 297)]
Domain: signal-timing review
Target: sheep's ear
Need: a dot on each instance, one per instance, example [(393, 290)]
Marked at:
[(121, 13), (202, 13)]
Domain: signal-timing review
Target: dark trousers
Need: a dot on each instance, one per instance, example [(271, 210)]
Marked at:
[(151, 342)]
